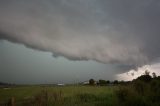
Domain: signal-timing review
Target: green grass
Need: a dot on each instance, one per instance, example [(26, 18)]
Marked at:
[(137, 93), (144, 91), (60, 96)]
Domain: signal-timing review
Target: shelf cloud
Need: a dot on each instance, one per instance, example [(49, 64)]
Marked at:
[(124, 33)]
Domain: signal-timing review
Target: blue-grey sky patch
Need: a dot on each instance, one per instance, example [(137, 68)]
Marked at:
[(19, 64)]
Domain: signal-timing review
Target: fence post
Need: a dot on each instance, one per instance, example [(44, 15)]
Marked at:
[(12, 101)]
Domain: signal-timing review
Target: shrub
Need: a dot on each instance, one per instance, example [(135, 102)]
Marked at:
[(115, 82), (122, 93), (140, 87), (127, 96), (91, 82), (145, 78), (103, 82)]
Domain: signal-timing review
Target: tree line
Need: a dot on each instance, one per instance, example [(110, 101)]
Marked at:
[(146, 77)]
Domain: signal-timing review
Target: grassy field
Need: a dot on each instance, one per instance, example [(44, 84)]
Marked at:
[(144, 91), (59, 96)]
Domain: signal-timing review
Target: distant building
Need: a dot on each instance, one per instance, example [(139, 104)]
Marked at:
[(85, 83), (61, 84)]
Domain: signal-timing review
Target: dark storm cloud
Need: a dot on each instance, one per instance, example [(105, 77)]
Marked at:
[(124, 33)]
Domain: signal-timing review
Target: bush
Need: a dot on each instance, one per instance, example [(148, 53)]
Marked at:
[(122, 93), (115, 82), (127, 96), (140, 93), (91, 82), (102, 82), (140, 87), (145, 78)]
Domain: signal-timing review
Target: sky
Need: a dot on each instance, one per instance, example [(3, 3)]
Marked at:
[(67, 41)]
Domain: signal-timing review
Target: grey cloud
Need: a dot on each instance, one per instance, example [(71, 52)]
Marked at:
[(124, 33)]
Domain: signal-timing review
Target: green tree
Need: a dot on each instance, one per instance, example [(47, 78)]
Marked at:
[(145, 78), (115, 82), (91, 82), (154, 75), (146, 72), (108, 82), (102, 82)]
